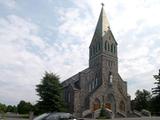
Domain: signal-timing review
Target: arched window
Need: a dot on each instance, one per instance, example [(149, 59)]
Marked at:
[(105, 45), (122, 106), (110, 77), (108, 47), (112, 48), (93, 85), (96, 81), (90, 87), (99, 46), (69, 97)]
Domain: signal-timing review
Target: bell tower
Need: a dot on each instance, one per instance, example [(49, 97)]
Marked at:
[(103, 48)]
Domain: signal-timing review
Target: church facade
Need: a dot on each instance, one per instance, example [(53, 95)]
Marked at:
[(100, 83)]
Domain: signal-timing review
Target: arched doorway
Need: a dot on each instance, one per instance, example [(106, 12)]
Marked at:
[(122, 106), (110, 103), (96, 104)]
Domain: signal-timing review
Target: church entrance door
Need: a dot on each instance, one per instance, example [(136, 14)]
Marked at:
[(110, 103), (96, 104), (108, 106)]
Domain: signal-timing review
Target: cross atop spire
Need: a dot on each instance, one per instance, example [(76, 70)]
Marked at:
[(103, 24), (102, 4)]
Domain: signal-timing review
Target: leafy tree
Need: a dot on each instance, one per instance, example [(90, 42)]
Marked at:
[(24, 107), (10, 108), (14, 109), (133, 104), (50, 93), (142, 100), (2, 108)]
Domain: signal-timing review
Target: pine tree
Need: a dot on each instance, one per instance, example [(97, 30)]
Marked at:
[(155, 104), (50, 93), (156, 90)]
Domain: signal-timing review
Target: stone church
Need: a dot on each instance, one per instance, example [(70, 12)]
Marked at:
[(100, 83)]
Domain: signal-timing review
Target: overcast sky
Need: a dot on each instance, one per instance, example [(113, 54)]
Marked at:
[(54, 36)]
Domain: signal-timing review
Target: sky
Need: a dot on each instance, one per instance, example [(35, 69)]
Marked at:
[(54, 36)]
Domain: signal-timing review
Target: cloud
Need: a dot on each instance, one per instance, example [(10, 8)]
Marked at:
[(135, 26), (11, 4), (25, 54), (20, 68)]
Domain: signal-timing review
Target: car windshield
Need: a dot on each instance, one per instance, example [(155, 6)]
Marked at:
[(59, 116), (41, 116), (64, 115)]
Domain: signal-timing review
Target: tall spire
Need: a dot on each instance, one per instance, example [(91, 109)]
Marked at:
[(103, 24)]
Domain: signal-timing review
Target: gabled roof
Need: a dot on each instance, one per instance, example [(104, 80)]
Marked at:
[(72, 80)]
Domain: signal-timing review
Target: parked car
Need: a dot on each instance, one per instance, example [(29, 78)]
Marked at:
[(55, 116)]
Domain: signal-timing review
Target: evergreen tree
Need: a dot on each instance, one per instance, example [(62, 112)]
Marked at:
[(155, 105), (50, 93), (156, 90), (155, 102)]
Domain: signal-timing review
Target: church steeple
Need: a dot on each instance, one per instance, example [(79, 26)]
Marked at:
[(103, 42), (103, 24)]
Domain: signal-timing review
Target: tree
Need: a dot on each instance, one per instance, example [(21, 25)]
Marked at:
[(2, 108), (10, 108), (155, 105), (103, 114), (156, 90), (50, 93), (155, 101), (24, 107), (142, 100), (14, 109)]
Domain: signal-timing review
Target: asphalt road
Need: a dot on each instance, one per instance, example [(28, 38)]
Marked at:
[(142, 118), (15, 119)]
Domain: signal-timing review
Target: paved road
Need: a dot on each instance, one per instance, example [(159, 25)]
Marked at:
[(142, 118), (15, 119)]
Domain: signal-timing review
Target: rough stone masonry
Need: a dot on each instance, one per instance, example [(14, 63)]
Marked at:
[(100, 83)]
